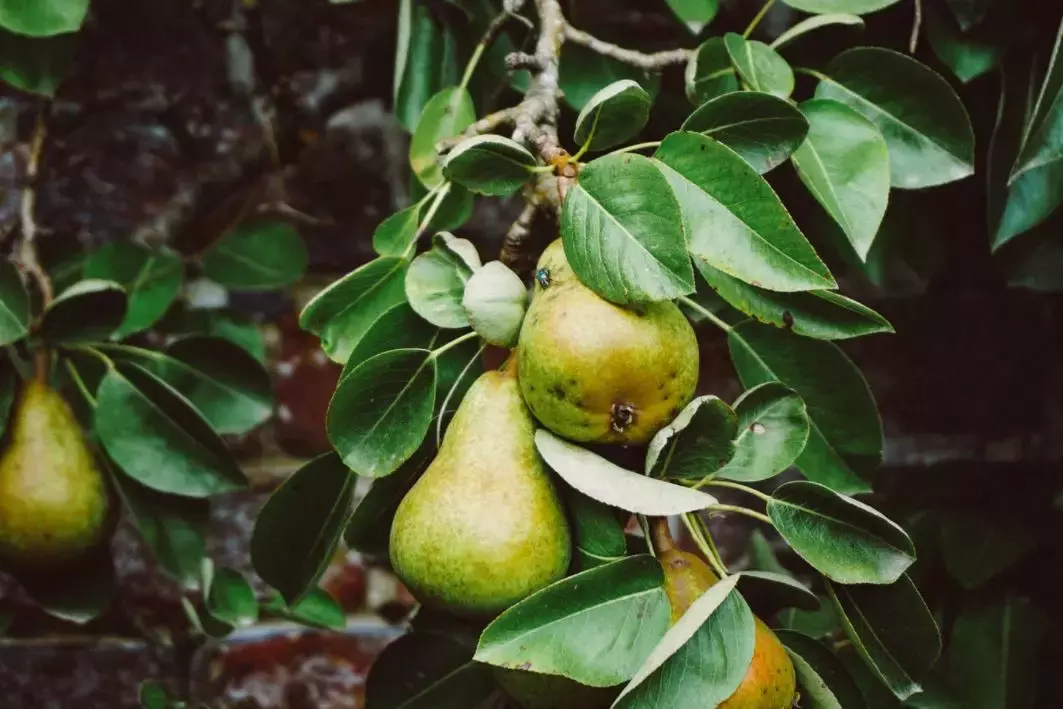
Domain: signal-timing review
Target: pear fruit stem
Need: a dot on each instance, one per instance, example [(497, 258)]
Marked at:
[(42, 364), (661, 535)]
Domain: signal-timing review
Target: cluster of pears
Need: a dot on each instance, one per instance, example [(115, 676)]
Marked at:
[(484, 526), (54, 502)]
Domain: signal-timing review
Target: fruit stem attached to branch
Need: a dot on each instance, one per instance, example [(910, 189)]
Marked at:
[(661, 534)]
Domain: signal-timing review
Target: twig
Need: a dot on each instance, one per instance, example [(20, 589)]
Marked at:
[(536, 121), (513, 244), (650, 62), (488, 124), (28, 248), (917, 24)]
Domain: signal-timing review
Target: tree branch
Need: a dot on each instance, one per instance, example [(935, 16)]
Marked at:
[(650, 62), (28, 248), (488, 124), (536, 115)]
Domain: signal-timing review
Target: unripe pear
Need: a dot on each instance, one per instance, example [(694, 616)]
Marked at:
[(595, 372), (54, 501)]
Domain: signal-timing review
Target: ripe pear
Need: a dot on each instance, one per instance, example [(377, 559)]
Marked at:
[(483, 527), (54, 501), (595, 372), (770, 682)]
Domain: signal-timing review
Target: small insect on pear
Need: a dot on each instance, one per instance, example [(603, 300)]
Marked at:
[(543, 277), (623, 415)]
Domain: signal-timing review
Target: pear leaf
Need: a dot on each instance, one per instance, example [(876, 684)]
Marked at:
[(613, 116)]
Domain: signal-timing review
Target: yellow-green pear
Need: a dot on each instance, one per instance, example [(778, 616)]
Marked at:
[(53, 498), (484, 527), (770, 681), (595, 372)]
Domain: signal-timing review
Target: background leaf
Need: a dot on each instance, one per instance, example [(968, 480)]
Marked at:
[(152, 280), (772, 430), (606, 482), (810, 24), (231, 599), (14, 304), (695, 14), (341, 313), (596, 627), (623, 234), (899, 653), (845, 164), (844, 539), (925, 125), (297, 531), (43, 18), (87, 311), (427, 671), (845, 442), (425, 60), (763, 129), (158, 438), (974, 552), (316, 609), (733, 218), (381, 411), (34, 64), (259, 255), (584, 72), (598, 533), (822, 679), (856, 7), (446, 115)]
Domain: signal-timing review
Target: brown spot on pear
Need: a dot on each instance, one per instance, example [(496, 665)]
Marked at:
[(54, 501), (624, 371), (483, 527)]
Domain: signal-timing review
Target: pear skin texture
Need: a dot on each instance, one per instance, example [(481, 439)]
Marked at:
[(54, 501), (483, 527), (531, 690), (770, 681), (595, 372)]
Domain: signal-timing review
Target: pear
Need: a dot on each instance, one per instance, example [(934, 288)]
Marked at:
[(595, 372), (483, 527), (53, 498), (770, 681)]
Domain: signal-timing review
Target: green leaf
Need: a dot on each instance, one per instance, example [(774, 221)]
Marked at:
[(845, 442), (43, 18), (435, 284), (623, 232), (855, 7), (231, 599), (770, 591), (78, 599), (1042, 145), (381, 411), (316, 609), (925, 125), (445, 115), (174, 528), (9, 385), (599, 535), (14, 304), (427, 671), (35, 65), (968, 54), (695, 14), (152, 280), (899, 653), (842, 538), (759, 66), (702, 659), (395, 235), (975, 552), (158, 438), (993, 655), (584, 72), (772, 430), (489, 164), (697, 443), (607, 482), (260, 255), (495, 300), (815, 22), (152, 695), (845, 164), (296, 533), (342, 313), (240, 331), (425, 60), (763, 129), (822, 679), (369, 528), (709, 73), (821, 314), (87, 311), (734, 220), (397, 328), (613, 115), (596, 627)]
